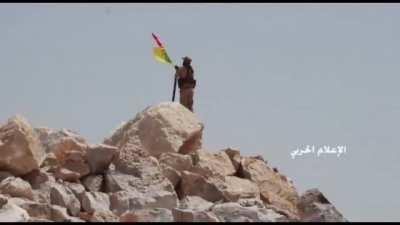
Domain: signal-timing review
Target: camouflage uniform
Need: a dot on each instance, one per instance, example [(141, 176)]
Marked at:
[(186, 87)]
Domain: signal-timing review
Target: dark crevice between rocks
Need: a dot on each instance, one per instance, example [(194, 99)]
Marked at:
[(239, 172), (191, 144), (103, 184), (178, 190), (322, 199)]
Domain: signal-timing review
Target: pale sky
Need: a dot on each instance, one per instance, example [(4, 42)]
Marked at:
[(271, 78)]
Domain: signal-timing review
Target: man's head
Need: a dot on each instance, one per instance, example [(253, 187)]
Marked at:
[(186, 60)]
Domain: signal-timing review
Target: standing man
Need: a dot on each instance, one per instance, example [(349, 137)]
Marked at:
[(186, 83)]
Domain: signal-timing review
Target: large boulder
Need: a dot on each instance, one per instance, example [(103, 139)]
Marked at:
[(93, 182), (4, 175), (13, 213), (41, 191), (20, 149), (195, 203), (3, 200), (95, 201), (146, 167), (66, 175), (123, 201), (76, 188), (236, 188), (117, 181), (101, 216), (274, 189), (50, 162), (46, 211), (16, 187), (148, 215), (190, 215), (165, 127), (60, 142), (314, 207), (217, 187), (234, 155), (172, 164), (176, 161), (234, 212), (77, 162), (208, 163), (193, 184), (61, 195), (38, 177), (171, 174), (100, 156), (194, 209)]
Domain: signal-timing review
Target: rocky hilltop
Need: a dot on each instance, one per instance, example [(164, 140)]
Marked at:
[(152, 168)]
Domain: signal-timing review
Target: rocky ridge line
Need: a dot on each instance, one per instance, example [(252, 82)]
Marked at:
[(152, 168)]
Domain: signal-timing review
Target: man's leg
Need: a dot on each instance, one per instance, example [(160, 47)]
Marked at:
[(190, 98), (183, 98)]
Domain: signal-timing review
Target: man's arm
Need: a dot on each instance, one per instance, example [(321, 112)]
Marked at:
[(176, 71), (180, 72)]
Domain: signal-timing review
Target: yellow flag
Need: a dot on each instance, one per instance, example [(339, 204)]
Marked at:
[(161, 55)]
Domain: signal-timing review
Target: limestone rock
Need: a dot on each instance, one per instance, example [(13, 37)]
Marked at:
[(207, 163), (163, 199), (176, 161), (314, 207), (50, 161), (16, 187), (93, 182), (41, 192), (117, 181), (4, 175), (216, 188), (67, 175), (123, 201), (46, 211), (60, 142), (273, 189), (13, 213), (173, 175), (95, 201), (76, 161), (236, 188), (3, 200), (63, 196), (248, 202), (165, 127), (189, 215), (195, 203), (172, 164), (32, 219), (21, 151), (144, 167), (195, 184), (77, 189), (234, 212), (148, 215), (38, 177), (103, 216), (234, 155), (100, 157)]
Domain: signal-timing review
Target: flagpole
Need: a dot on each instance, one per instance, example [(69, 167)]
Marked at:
[(173, 92)]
